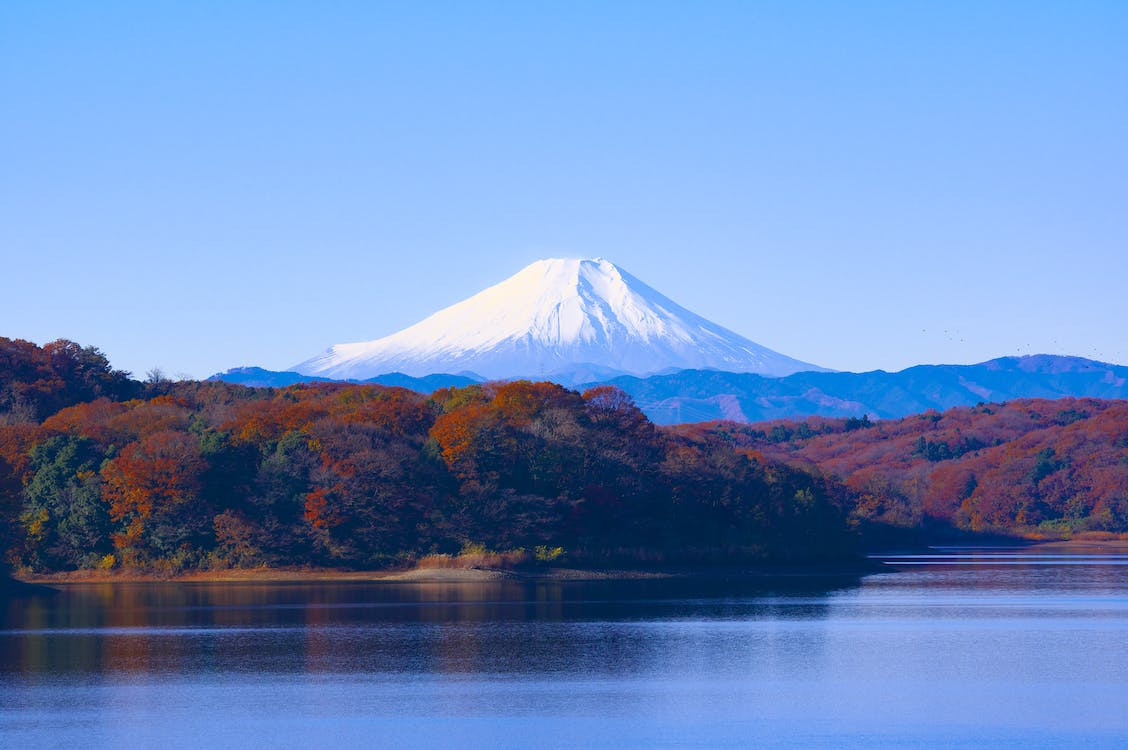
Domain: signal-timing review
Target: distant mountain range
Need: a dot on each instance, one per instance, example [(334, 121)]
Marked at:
[(257, 377), (588, 322), (565, 320), (706, 395), (699, 396)]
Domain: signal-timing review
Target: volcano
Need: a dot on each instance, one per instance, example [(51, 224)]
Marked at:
[(567, 320)]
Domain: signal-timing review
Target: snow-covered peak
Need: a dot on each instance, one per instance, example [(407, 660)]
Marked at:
[(554, 316)]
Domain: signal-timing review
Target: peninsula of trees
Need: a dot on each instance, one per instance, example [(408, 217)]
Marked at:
[(101, 471), (97, 470)]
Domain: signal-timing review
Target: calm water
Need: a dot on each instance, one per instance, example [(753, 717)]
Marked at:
[(992, 648)]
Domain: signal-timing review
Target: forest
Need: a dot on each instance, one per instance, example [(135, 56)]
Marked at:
[(100, 471), (1038, 468)]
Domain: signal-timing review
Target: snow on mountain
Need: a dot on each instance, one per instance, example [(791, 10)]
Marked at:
[(554, 318)]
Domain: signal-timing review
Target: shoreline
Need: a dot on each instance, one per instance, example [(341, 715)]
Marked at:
[(454, 574), (447, 575)]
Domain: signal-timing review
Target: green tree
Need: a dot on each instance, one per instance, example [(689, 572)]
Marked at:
[(65, 519)]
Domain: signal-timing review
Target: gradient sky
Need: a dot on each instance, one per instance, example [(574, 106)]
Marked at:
[(202, 185)]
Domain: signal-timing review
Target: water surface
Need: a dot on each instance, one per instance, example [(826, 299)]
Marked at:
[(957, 648)]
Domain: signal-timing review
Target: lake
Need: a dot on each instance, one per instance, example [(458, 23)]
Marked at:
[(957, 648)]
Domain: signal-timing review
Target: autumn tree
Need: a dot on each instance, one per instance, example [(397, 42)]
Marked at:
[(152, 487)]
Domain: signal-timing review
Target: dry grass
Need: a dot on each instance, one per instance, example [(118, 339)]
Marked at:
[(477, 559)]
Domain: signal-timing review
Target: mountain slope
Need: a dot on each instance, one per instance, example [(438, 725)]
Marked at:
[(550, 320), (1035, 466), (707, 395), (257, 377), (699, 396)]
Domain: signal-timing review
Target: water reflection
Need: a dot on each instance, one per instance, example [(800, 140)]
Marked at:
[(501, 627), (970, 655)]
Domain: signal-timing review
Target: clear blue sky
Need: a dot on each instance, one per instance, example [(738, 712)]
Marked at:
[(201, 185)]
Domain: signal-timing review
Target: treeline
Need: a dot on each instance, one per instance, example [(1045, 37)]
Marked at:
[(97, 470), (1037, 467), (35, 382)]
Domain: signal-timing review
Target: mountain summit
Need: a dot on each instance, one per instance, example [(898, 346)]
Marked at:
[(564, 319)]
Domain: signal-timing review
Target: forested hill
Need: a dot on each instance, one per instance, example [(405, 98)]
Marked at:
[(194, 475), (98, 470), (1052, 467), (37, 381)]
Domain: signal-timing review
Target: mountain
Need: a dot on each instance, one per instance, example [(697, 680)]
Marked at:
[(700, 396), (560, 319), (257, 377), (1033, 466), (708, 395)]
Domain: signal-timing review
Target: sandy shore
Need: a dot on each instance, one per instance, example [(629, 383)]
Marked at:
[(473, 575), (304, 575), (450, 574)]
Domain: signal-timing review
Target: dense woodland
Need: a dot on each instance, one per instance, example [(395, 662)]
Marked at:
[(1034, 466), (100, 471)]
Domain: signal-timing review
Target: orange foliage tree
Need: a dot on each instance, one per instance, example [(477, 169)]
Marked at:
[(151, 487)]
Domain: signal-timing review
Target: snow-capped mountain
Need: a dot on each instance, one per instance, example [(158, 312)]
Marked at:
[(557, 318)]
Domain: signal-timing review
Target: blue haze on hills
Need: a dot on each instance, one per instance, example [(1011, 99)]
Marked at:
[(704, 395)]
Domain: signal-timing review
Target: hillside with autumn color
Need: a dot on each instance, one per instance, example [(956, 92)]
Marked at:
[(172, 477), (1035, 467), (98, 471)]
